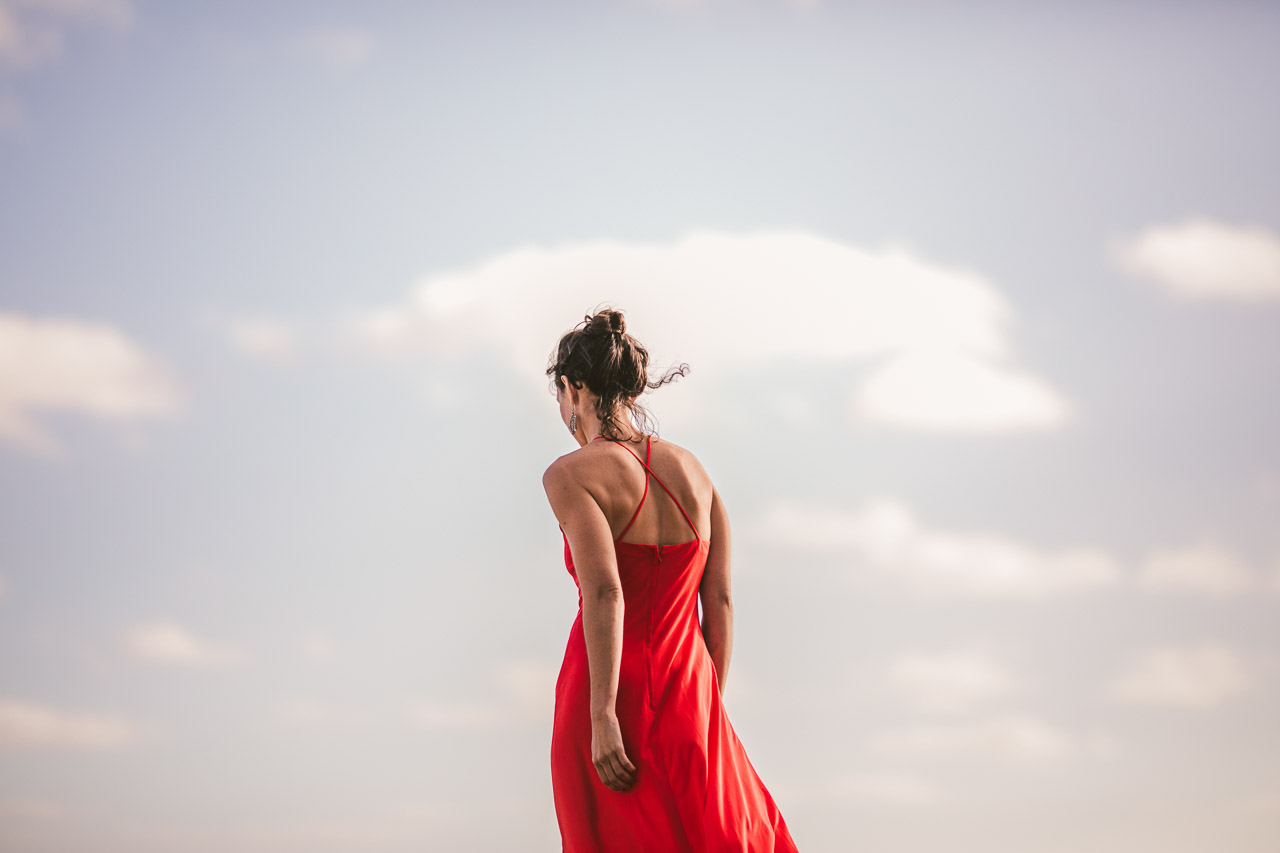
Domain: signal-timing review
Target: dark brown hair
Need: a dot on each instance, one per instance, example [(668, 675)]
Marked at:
[(600, 354)]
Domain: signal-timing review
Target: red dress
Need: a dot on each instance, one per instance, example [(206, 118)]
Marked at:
[(694, 791)]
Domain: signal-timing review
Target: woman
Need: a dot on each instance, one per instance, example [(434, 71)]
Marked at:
[(643, 757)]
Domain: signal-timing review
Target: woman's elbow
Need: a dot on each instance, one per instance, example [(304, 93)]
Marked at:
[(603, 593)]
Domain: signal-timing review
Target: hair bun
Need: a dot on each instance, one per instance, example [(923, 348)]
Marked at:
[(598, 354)]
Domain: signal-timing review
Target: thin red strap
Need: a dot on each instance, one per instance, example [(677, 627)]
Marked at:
[(649, 470), (642, 497)]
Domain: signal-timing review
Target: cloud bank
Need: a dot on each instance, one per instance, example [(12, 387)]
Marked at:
[(935, 340), (890, 543)]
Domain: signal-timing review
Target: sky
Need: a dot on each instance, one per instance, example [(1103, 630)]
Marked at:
[(981, 307)]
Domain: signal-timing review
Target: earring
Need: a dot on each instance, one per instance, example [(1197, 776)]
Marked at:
[(573, 422)]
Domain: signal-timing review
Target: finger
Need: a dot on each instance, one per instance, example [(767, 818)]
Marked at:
[(605, 771), (620, 772)]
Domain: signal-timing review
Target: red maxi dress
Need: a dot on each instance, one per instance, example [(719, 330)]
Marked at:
[(695, 791)]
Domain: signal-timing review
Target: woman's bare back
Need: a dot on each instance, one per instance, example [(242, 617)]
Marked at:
[(620, 485)]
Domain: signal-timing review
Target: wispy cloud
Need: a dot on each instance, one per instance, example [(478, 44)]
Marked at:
[(936, 339), (24, 725), (1206, 567), (89, 368), (263, 339), (170, 644), (891, 543), (1201, 259), (1198, 677), (952, 680)]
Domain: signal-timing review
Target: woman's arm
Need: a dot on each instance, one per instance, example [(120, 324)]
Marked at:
[(594, 560), (715, 593)]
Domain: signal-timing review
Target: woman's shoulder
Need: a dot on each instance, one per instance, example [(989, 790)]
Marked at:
[(689, 463), (678, 451), (589, 457), (574, 463)]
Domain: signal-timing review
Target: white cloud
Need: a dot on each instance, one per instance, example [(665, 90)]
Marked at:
[(936, 338), (891, 543), (168, 643), (55, 364), (266, 340), (950, 681), (1199, 677), (1200, 259), (342, 48), (24, 725), (2, 586), (954, 392), (528, 689), (1206, 567), (1009, 737)]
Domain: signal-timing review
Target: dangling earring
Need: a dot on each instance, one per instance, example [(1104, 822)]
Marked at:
[(573, 422)]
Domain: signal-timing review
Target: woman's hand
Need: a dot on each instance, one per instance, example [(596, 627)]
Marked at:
[(608, 754)]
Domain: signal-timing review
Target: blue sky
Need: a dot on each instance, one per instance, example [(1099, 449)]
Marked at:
[(981, 308)]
